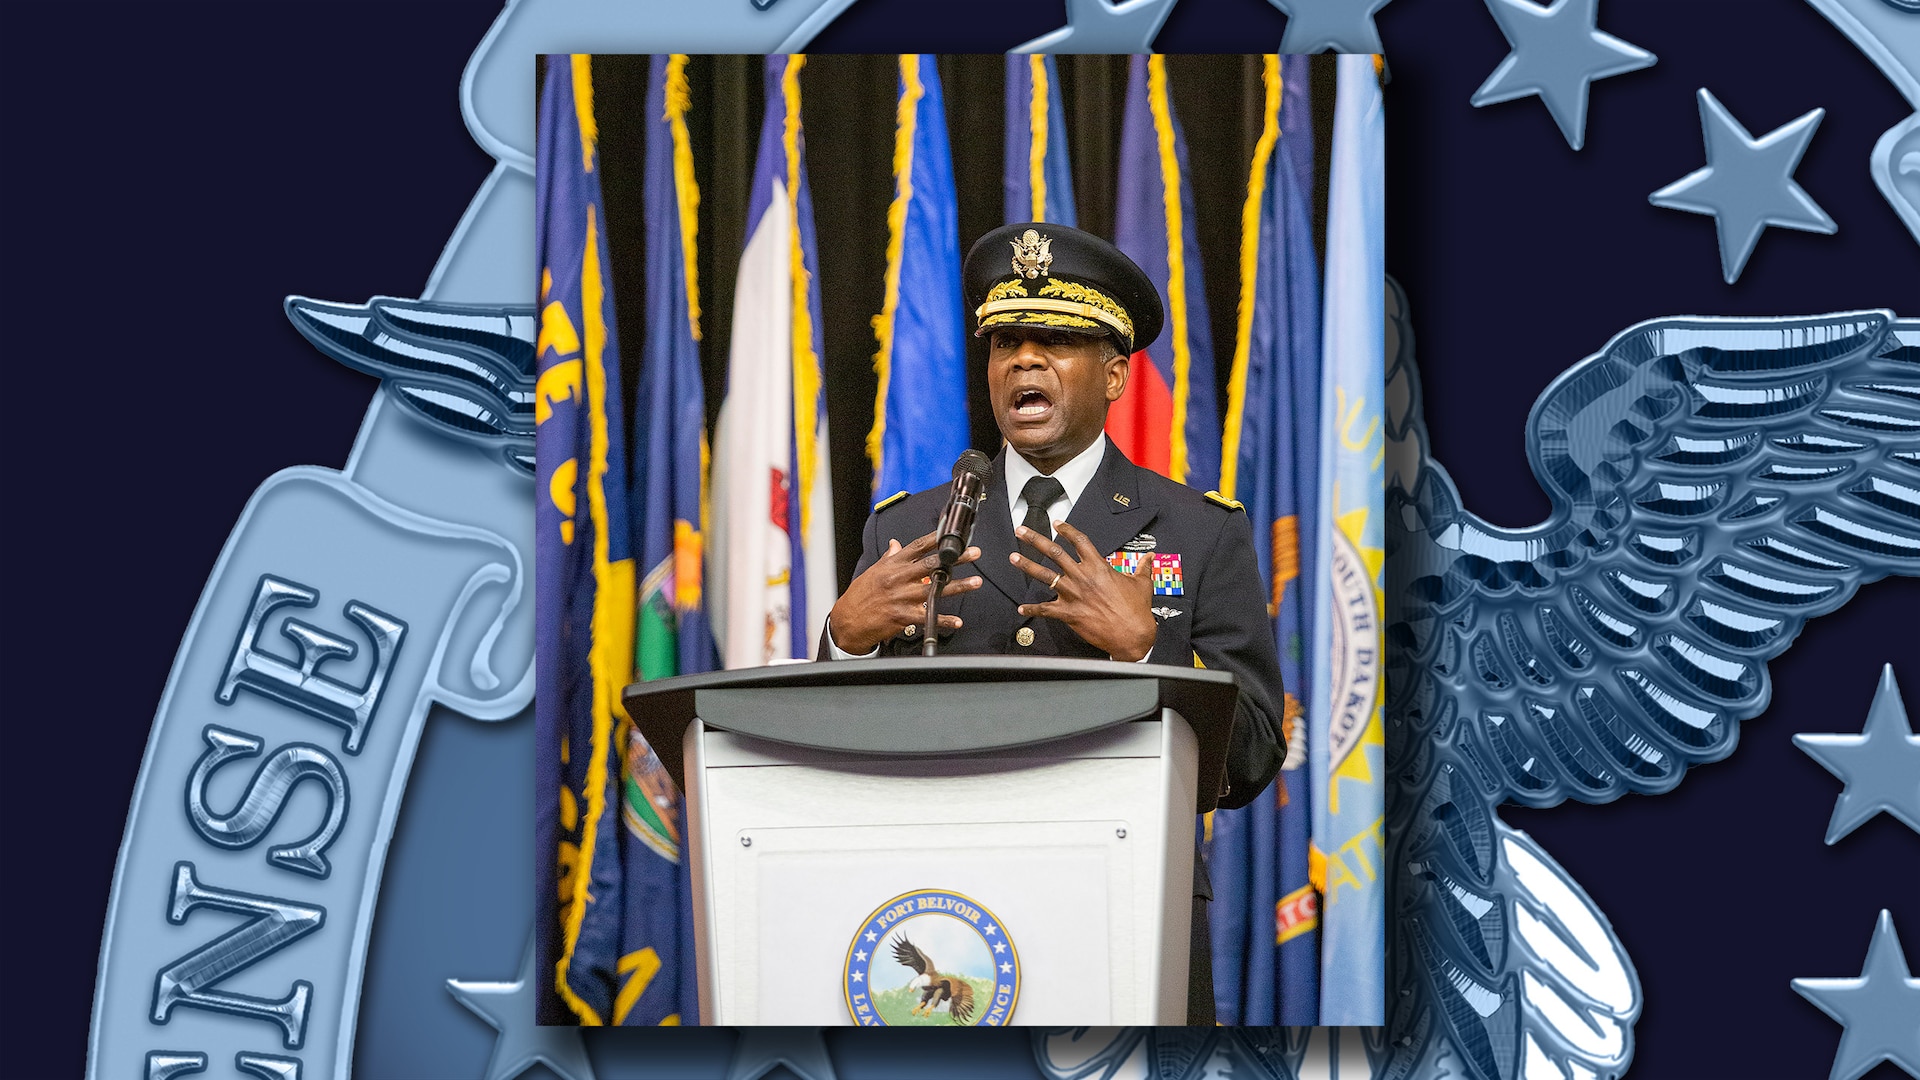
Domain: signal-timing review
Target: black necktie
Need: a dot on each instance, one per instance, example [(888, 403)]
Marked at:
[(1040, 493)]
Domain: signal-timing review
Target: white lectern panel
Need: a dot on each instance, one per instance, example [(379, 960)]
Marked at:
[(1045, 882), (1084, 847)]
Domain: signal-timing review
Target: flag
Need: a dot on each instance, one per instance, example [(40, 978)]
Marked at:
[(1345, 744), (1039, 178), (772, 505), (584, 570), (655, 966), (920, 411), (670, 433), (1169, 419), (1266, 911)]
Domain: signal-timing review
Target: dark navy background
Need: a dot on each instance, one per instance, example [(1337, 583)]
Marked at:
[(173, 172)]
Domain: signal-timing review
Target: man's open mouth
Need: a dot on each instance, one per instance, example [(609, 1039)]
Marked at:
[(1031, 403)]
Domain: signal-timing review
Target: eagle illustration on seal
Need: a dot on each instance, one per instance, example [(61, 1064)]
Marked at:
[(935, 988)]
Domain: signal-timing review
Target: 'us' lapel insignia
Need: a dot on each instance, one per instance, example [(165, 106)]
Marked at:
[(1122, 499)]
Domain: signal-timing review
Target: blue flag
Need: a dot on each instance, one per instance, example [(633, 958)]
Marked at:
[(1266, 911), (1345, 736), (920, 410), (1038, 177), (1168, 420), (584, 571), (670, 433), (655, 965)]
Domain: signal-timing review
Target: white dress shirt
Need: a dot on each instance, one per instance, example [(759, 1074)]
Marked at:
[(1074, 477)]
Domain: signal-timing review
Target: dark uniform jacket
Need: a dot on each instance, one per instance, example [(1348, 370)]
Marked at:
[(1220, 614)]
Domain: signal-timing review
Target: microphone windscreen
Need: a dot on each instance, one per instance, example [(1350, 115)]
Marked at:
[(972, 463)]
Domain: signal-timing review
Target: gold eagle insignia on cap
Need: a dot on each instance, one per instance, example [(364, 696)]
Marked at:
[(1032, 254)]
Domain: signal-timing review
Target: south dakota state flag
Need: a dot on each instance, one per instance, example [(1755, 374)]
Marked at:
[(1169, 419), (774, 578), (920, 410), (1346, 747), (584, 570), (1265, 915), (1038, 176)]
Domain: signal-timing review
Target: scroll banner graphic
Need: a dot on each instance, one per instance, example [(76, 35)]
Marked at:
[(332, 622)]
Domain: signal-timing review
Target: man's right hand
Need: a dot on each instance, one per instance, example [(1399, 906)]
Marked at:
[(892, 595)]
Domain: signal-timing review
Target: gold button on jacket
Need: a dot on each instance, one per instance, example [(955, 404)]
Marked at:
[(1024, 636)]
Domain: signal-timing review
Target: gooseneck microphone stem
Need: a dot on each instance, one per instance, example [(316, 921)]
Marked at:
[(929, 641)]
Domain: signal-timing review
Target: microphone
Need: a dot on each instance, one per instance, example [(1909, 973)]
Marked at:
[(963, 502), (956, 531)]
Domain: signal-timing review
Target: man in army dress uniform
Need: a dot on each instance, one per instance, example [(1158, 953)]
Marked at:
[(1062, 311)]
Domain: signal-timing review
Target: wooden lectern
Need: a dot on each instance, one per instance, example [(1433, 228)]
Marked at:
[(1024, 825)]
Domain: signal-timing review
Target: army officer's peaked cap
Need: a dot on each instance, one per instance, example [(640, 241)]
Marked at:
[(1035, 274)]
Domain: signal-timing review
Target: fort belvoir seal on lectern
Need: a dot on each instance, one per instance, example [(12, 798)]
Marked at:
[(931, 957)]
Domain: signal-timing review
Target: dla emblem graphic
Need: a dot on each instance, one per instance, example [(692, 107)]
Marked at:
[(931, 957), (346, 605)]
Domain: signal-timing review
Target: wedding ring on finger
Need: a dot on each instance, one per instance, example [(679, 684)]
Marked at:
[(1054, 585)]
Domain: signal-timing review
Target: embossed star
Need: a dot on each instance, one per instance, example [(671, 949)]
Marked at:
[(1878, 1009), (1097, 26), (508, 1007), (1556, 54), (760, 1050), (1748, 183), (1340, 25), (1881, 765)]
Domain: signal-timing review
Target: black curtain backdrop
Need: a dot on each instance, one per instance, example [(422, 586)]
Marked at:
[(847, 109)]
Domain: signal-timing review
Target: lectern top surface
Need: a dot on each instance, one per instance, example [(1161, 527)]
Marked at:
[(925, 706), (929, 669)]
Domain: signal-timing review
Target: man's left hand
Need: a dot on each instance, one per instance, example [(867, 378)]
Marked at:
[(1111, 610)]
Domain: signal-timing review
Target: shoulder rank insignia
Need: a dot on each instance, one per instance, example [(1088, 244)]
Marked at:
[(889, 501), (1231, 504)]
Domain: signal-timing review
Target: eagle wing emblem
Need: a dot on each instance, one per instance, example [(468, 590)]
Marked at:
[(465, 370), (1716, 483)]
